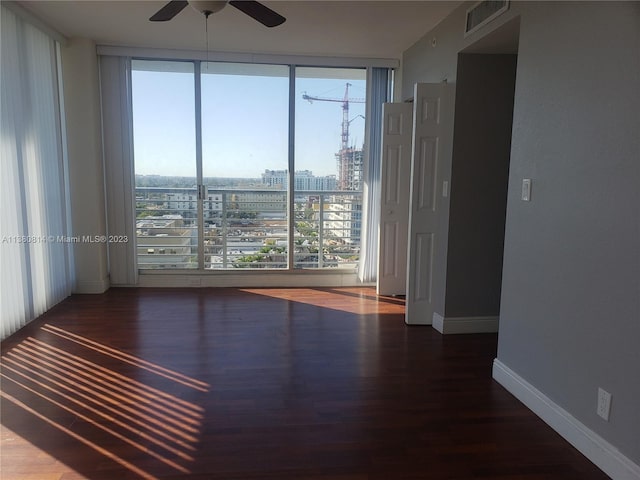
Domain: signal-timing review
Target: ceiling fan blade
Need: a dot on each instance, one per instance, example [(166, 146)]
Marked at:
[(259, 12), (169, 11)]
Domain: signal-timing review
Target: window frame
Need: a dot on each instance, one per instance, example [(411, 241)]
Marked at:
[(291, 191), (115, 77)]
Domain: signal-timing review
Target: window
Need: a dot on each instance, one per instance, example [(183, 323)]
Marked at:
[(329, 154), (213, 163), (245, 114), (163, 96)]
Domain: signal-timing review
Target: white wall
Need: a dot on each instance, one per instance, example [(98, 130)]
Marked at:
[(86, 177), (570, 309)]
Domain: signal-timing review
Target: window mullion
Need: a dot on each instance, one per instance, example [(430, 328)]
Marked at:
[(201, 190), (291, 178)]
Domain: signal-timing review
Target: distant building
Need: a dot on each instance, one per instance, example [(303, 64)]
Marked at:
[(256, 201), (304, 180), (186, 204), (276, 178), (163, 242), (343, 219), (350, 169)]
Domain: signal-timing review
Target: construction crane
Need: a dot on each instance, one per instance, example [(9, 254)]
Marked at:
[(344, 160)]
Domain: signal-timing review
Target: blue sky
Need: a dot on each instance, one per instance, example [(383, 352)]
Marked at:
[(244, 122)]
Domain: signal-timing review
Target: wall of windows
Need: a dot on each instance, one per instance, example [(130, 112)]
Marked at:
[(215, 145)]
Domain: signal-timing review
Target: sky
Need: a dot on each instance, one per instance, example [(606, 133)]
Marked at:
[(244, 122)]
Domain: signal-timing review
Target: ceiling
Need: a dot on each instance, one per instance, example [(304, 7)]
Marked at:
[(360, 28)]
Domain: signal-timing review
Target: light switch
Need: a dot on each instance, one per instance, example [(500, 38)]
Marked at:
[(526, 189), (445, 188)]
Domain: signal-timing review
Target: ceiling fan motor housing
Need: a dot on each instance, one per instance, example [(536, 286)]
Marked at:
[(208, 7), (254, 9)]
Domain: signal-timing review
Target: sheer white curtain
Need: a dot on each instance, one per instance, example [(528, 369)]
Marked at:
[(35, 260), (378, 92), (117, 135)]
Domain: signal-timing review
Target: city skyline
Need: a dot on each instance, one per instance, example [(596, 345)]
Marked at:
[(254, 177)]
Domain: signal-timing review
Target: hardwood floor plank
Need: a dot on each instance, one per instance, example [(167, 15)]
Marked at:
[(298, 383)]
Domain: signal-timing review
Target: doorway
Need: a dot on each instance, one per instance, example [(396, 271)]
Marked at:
[(485, 87)]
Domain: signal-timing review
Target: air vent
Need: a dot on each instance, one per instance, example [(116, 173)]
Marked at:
[(482, 13)]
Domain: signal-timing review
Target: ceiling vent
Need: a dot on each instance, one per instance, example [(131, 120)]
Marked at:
[(482, 13)]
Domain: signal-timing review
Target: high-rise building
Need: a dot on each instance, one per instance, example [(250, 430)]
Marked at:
[(304, 180), (350, 169)]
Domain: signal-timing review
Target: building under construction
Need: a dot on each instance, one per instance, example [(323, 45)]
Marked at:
[(350, 169), (350, 160)]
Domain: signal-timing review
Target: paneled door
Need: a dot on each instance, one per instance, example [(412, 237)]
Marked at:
[(432, 135), (397, 122)]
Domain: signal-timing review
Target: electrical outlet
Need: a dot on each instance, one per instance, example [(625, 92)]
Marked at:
[(194, 282), (604, 404)]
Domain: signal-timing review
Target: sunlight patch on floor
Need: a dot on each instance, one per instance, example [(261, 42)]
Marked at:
[(58, 375), (360, 301)]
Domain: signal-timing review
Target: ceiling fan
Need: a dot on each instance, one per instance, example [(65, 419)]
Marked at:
[(255, 10)]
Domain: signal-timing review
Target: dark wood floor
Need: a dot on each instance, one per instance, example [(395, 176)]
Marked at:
[(262, 384)]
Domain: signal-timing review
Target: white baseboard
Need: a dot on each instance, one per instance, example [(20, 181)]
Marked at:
[(589, 443), (96, 286), (450, 325)]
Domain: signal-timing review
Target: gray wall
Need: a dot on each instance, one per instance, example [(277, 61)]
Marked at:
[(570, 308), (479, 178)]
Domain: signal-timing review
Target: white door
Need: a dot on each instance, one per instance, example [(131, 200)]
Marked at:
[(433, 131), (397, 122)]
